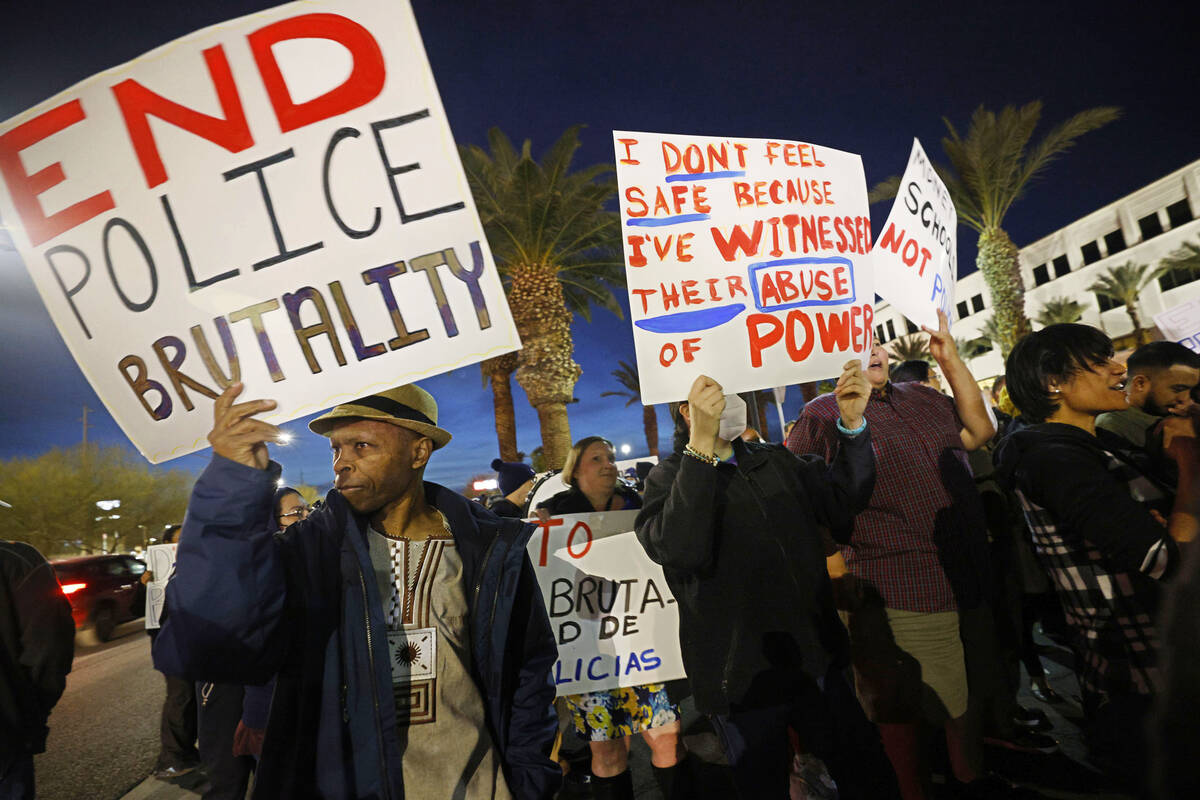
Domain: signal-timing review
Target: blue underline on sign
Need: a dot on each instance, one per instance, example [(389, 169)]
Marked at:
[(647, 222), (704, 176), (689, 321)]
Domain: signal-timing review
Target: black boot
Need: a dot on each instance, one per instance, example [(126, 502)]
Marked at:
[(618, 787), (676, 782)]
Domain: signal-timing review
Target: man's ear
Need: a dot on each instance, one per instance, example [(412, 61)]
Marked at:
[(422, 449), (686, 413), (1139, 383)]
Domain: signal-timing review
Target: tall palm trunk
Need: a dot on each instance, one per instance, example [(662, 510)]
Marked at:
[(547, 372), (498, 371), (1140, 336), (998, 260), (650, 424)]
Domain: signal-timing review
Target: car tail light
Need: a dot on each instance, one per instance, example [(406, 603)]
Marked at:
[(72, 588)]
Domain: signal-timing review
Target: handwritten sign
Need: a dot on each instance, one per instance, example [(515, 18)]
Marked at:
[(160, 561), (746, 260), (916, 258), (276, 200), (613, 616), (1181, 323)]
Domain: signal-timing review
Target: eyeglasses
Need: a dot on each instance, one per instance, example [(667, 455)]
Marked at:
[(300, 511)]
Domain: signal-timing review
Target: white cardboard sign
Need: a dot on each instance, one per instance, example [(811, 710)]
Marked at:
[(160, 561), (1181, 323), (747, 260), (615, 620), (276, 199), (916, 257)]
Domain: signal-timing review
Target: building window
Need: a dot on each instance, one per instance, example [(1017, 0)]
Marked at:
[(1041, 275), (891, 330), (977, 302), (1114, 242), (908, 326), (879, 334), (1107, 303), (1173, 278), (963, 311), (1150, 226), (1091, 253), (1179, 213), (1061, 266)]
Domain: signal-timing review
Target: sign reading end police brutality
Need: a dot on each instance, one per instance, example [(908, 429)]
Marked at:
[(746, 260), (916, 262), (276, 200)]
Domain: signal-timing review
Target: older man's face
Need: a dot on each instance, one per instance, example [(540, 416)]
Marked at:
[(375, 463)]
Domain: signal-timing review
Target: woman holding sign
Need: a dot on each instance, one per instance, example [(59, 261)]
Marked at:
[(736, 528), (608, 718)]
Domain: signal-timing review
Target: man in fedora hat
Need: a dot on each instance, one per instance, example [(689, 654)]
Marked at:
[(405, 624)]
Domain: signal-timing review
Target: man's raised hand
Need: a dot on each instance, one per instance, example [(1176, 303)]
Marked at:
[(852, 393), (941, 343), (706, 402), (236, 435)]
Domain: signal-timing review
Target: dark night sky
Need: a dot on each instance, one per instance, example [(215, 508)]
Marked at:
[(858, 77)]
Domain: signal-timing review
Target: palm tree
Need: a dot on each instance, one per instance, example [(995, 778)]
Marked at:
[(991, 168), (498, 371), (627, 376), (558, 252), (1186, 258), (1123, 283), (913, 347), (1059, 309), (972, 348)]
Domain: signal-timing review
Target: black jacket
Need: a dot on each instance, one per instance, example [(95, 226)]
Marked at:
[(573, 501), (246, 605), (742, 553), (37, 644)]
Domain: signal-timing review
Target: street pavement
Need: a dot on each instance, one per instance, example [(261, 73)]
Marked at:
[(104, 730)]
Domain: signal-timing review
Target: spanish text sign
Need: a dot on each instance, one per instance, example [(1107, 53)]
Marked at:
[(613, 616), (916, 261), (747, 260), (276, 200)]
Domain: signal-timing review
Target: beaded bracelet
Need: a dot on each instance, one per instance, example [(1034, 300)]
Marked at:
[(851, 431), (712, 461)]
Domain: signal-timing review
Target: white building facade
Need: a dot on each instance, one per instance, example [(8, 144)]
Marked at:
[(1143, 227)]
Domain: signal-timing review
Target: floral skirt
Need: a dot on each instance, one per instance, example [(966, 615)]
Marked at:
[(616, 713)]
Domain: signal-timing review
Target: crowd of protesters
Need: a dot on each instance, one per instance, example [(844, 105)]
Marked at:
[(844, 597)]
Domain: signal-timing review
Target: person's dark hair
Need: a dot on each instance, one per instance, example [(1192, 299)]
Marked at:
[(1161, 355), (171, 534), (914, 370), (281, 493), (682, 434), (1055, 352)]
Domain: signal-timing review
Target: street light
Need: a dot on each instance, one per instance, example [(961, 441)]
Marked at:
[(625, 449)]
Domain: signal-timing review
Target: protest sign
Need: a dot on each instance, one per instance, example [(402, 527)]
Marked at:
[(916, 258), (276, 200), (746, 259), (160, 561), (1181, 324), (613, 616)]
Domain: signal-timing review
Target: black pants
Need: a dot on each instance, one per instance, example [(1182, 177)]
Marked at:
[(220, 709), (829, 723), (177, 730)]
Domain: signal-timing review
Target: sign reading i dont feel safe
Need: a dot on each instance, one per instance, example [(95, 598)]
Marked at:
[(275, 200)]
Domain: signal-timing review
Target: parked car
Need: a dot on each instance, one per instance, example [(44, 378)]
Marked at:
[(104, 591)]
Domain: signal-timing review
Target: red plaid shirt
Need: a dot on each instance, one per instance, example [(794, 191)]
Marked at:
[(914, 524)]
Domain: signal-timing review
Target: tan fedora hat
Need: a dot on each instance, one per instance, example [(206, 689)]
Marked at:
[(407, 406)]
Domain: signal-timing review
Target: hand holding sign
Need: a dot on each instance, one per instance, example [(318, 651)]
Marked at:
[(236, 435), (706, 402), (852, 392)]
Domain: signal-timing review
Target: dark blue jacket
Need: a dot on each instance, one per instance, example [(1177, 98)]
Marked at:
[(247, 604)]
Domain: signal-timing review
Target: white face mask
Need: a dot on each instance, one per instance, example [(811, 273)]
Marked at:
[(733, 418)]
